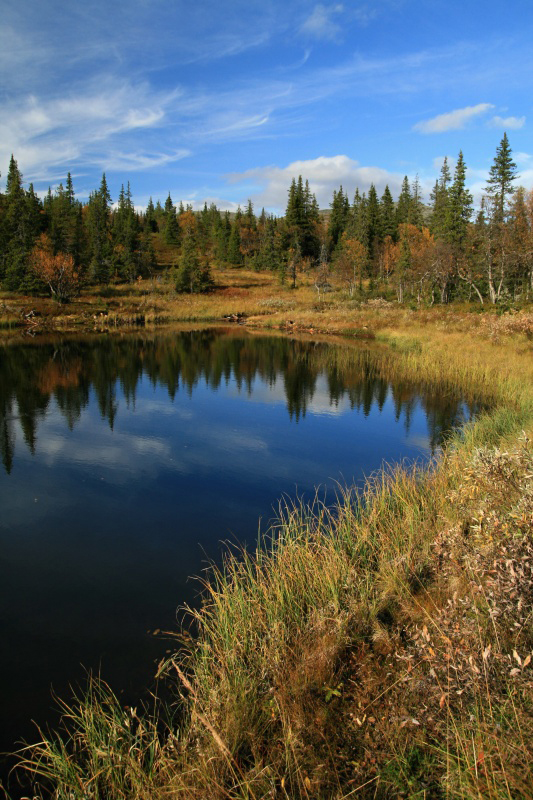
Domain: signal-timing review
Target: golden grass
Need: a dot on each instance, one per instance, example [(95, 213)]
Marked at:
[(260, 301)]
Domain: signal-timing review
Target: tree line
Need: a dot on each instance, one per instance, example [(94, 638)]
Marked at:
[(435, 251)]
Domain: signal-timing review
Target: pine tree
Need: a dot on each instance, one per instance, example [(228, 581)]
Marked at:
[(193, 275), (172, 232), (150, 222), (439, 198), (235, 256), (21, 224), (222, 235), (404, 203), (459, 206), (301, 218), (125, 236), (374, 219), (416, 215), (339, 217), (500, 183), (98, 228), (359, 228), (388, 221)]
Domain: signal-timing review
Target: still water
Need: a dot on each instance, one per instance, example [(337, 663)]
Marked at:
[(127, 462)]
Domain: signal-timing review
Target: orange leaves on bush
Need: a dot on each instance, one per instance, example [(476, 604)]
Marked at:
[(57, 271)]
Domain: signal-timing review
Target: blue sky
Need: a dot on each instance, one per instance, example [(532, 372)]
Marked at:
[(228, 101)]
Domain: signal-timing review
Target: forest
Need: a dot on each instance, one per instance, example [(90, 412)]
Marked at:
[(404, 249)]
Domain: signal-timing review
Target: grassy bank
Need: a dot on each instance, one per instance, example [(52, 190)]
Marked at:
[(379, 648), (254, 299)]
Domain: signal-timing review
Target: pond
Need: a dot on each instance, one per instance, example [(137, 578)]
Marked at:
[(128, 460)]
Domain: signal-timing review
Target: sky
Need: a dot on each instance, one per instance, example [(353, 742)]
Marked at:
[(225, 102)]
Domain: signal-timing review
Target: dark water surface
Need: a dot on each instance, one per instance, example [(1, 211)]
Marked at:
[(128, 460)]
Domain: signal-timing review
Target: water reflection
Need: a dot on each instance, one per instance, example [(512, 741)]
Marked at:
[(68, 371)]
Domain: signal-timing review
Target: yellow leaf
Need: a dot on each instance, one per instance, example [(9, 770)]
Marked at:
[(307, 782)]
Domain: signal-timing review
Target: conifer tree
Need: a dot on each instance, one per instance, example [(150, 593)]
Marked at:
[(388, 221), (172, 232), (193, 273), (374, 219), (125, 233), (359, 227), (501, 176), (150, 221), (98, 228), (222, 235), (404, 203), (439, 199), (339, 217), (235, 256), (459, 206), (301, 218), (415, 215), (21, 224)]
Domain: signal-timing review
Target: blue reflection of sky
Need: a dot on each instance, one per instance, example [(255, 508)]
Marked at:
[(101, 528)]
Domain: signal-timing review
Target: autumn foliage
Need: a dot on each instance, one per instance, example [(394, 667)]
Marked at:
[(57, 271)]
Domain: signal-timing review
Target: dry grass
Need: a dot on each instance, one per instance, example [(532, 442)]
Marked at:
[(259, 301)]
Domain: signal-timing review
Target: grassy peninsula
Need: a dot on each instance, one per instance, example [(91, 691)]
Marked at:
[(380, 648)]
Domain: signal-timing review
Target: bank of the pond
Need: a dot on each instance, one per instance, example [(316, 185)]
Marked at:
[(381, 648), (254, 299)]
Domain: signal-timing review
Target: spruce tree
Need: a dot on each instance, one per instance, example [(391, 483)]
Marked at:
[(193, 274), (416, 214), (459, 206), (150, 222), (359, 228), (439, 200), (339, 217), (99, 234), (21, 224), (301, 218), (404, 203), (172, 231), (500, 183), (388, 221), (235, 256), (374, 219)]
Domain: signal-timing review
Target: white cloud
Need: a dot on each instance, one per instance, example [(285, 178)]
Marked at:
[(325, 173), (508, 123), (86, 125), (452, 120), (439, 161), (523, 158), (320, 24)]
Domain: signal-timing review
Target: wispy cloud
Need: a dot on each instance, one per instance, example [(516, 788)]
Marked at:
[(523, 158), (84, 126), (507, 123), (321, 23), (452, 120)]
